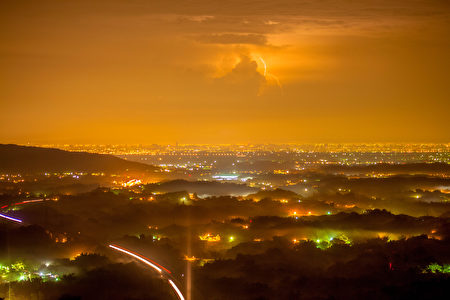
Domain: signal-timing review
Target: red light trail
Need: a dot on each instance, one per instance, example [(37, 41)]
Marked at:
[(150, 263)]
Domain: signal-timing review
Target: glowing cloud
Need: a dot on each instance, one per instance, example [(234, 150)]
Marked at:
[(268, 76)]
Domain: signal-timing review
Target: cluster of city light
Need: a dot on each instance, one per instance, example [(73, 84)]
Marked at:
[(209, 237), (13, 272), (190, 258), (297, 214), (437, 268), (121, 149), (132, 182), (18, 271), (325, 242)]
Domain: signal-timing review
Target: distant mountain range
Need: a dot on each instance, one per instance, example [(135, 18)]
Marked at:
[(19, 159)]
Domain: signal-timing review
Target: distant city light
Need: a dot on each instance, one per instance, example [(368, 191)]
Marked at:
[(225, 177), (209, 237), (131, 182)]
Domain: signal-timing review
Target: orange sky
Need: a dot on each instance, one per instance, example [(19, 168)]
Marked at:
[(115, 71)]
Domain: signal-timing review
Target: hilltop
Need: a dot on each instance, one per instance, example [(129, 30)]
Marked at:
[(16, 158)]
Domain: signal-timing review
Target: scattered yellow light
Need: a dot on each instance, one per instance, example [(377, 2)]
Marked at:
[(209, 237), (131, 182), (191, 258)]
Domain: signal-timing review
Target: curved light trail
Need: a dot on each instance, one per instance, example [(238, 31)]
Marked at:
[(10, 218), (29, 201), (264, 64), (135, 255), (152, 264), (177, 290), (142, 258), (14, 204), (23, 202)]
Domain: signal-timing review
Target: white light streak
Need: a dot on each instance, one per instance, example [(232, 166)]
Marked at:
[(10, 218), (264, 64), (136, 256), (177, 290), (270, 76)]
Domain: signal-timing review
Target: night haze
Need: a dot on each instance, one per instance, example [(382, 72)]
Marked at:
[(241, 72), (213, 150)]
